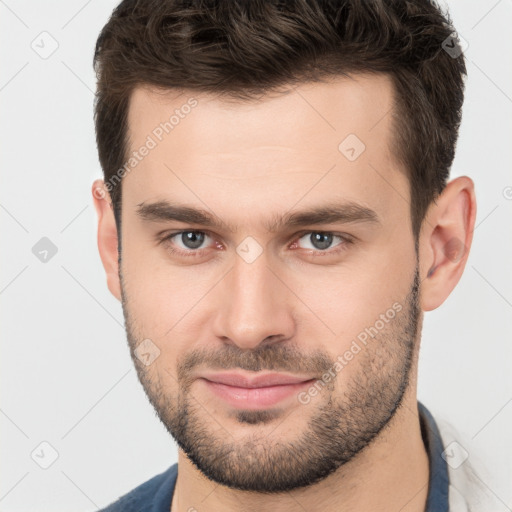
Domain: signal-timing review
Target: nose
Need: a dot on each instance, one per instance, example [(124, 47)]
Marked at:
[(254, 306)]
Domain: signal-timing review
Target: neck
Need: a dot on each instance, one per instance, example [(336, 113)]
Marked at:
[(390, 474)]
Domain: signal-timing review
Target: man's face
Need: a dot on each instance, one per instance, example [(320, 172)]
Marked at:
[(255, 294)]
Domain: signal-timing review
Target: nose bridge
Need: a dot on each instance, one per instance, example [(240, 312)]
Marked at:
[(254, 305), (251, 284)]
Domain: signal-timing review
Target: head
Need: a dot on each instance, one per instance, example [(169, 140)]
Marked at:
[(276, 199)]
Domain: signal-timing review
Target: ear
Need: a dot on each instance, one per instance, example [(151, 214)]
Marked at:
[(107, 236), (445, 240)]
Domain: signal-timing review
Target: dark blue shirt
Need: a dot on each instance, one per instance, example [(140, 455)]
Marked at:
[(155, 495)]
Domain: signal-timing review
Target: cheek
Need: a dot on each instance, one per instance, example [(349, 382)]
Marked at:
[(341, 302), (159, 309), (163, 299)]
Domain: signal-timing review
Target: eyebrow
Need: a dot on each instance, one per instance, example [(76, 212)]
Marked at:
[(349, 212)]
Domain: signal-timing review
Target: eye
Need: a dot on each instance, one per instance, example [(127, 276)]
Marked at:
[(186, 241), (191, 239), (321, 241)]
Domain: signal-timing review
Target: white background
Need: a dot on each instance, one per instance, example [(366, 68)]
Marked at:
[(66, 375)]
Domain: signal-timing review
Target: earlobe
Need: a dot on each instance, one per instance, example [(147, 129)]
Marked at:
[(107, 236), (445, 240)]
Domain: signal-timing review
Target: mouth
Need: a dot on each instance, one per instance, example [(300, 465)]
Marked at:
[(244, 391)]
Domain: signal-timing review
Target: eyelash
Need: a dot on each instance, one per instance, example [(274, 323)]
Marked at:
[(341, 247)]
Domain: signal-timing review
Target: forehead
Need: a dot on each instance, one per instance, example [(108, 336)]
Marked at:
[(202, 145), (341, 105)]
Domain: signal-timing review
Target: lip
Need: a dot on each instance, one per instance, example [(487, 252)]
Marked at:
[(257, 381), (254, 392)]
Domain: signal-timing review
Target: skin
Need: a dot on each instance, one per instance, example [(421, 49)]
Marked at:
[(248, 163)]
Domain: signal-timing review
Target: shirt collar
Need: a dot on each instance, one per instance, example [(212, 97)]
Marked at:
[(437, 499)]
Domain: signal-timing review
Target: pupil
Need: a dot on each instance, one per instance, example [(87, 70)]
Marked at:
[(321, 240), (192, 239)]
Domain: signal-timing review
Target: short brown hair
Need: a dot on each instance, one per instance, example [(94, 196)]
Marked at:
[(242, 49)]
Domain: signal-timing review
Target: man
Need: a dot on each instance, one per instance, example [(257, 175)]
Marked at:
[(275, 218)]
